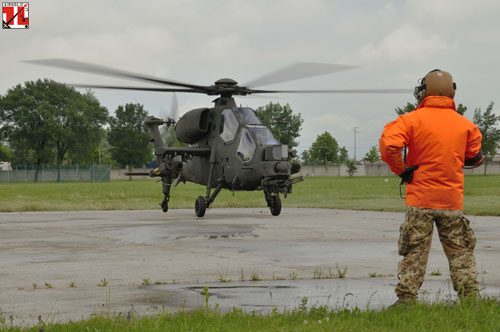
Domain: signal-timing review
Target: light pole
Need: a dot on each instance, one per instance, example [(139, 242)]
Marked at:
[(355, 131)]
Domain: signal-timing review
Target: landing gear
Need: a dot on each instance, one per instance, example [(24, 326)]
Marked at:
[(275, 206), (200, 206), (166, 184), (274, 203), (164, 205), (202, 203)]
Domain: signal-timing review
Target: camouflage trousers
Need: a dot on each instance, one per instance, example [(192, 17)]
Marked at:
[(457, 239)]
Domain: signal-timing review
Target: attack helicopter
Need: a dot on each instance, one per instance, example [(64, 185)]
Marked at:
[(228, 146)]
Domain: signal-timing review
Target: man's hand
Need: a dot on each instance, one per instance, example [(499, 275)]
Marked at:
[(407, 175)]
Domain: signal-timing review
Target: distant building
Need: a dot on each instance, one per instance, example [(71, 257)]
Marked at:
[(5, 166)]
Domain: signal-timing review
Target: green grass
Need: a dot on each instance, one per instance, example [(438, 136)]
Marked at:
[(482, 195), (483, 315)]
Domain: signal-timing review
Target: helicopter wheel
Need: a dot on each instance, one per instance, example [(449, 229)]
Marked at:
[(275, 206), (164, 206), (200, 206)]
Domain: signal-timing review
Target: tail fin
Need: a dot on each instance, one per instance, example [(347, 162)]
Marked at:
[(153, 123)]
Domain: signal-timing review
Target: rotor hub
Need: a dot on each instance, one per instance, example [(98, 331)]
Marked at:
[(226, 81)]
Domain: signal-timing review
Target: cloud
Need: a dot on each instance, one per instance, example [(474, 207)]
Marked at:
[(451, 11), (407, 42)]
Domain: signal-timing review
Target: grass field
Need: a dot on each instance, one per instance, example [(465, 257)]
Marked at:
[(482, 195), (483, 315)]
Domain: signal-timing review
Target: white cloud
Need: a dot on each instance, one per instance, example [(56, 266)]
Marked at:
[(406, 43), (451, 11)]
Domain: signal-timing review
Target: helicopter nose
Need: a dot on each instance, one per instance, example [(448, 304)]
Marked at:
[(282, 167)]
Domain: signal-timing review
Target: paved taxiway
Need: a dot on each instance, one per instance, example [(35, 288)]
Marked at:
[(185, 253)]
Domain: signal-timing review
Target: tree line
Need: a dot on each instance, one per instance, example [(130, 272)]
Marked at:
[(325, 148), (48, 122), (486, 121)]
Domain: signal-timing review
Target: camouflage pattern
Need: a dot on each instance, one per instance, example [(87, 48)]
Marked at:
[(414, 244)]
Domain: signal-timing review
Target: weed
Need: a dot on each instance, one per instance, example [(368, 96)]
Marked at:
[(277, 277), (242, 275), (293, 276), (48, 285), (378, 275), (103, 283), (255, 277), (341, 273), (207, 295), (35, 286), (222, 279), (174, 281), (436, 273), (318, 273), (484, 272), (72, 285), (146, 281), (158, 282), (303, 304)]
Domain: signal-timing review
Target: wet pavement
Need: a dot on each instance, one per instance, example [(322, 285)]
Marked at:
[(264, 296), (68, 265)]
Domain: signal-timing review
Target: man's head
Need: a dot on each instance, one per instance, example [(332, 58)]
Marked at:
[(435, 83)]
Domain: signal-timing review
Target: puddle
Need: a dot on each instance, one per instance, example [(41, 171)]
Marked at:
[(262, 296)]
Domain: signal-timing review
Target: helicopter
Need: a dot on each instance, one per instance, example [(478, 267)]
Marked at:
[(227, 146)]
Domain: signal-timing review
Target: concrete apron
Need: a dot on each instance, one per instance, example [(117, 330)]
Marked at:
[(147, 261)]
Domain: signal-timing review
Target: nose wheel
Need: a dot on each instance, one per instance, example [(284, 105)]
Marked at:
[(274, 203)]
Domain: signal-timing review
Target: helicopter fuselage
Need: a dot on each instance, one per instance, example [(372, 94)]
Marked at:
[(243, 152)]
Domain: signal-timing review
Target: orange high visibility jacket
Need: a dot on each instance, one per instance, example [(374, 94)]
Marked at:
[(438, 140)]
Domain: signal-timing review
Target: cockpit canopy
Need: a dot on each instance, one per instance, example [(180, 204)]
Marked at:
[(252, 132), (247, 116)]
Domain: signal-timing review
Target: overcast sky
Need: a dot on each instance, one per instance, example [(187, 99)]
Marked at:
[(394, 42)]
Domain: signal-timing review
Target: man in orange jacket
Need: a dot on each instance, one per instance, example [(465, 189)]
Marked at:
[(440, 142)]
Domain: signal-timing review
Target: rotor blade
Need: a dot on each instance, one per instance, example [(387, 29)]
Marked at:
[(107, 71), (250, 96), (297, 71), (353, 91), (138, 88)]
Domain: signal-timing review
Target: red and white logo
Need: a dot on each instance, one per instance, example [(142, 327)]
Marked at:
[(15, 15)]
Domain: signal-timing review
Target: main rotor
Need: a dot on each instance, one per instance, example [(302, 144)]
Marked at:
[(224, 87)]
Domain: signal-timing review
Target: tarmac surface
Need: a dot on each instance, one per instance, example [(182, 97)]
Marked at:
[(60, 266)]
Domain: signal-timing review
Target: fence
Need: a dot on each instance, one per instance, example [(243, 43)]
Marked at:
[(380, 169), (49, 173)]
